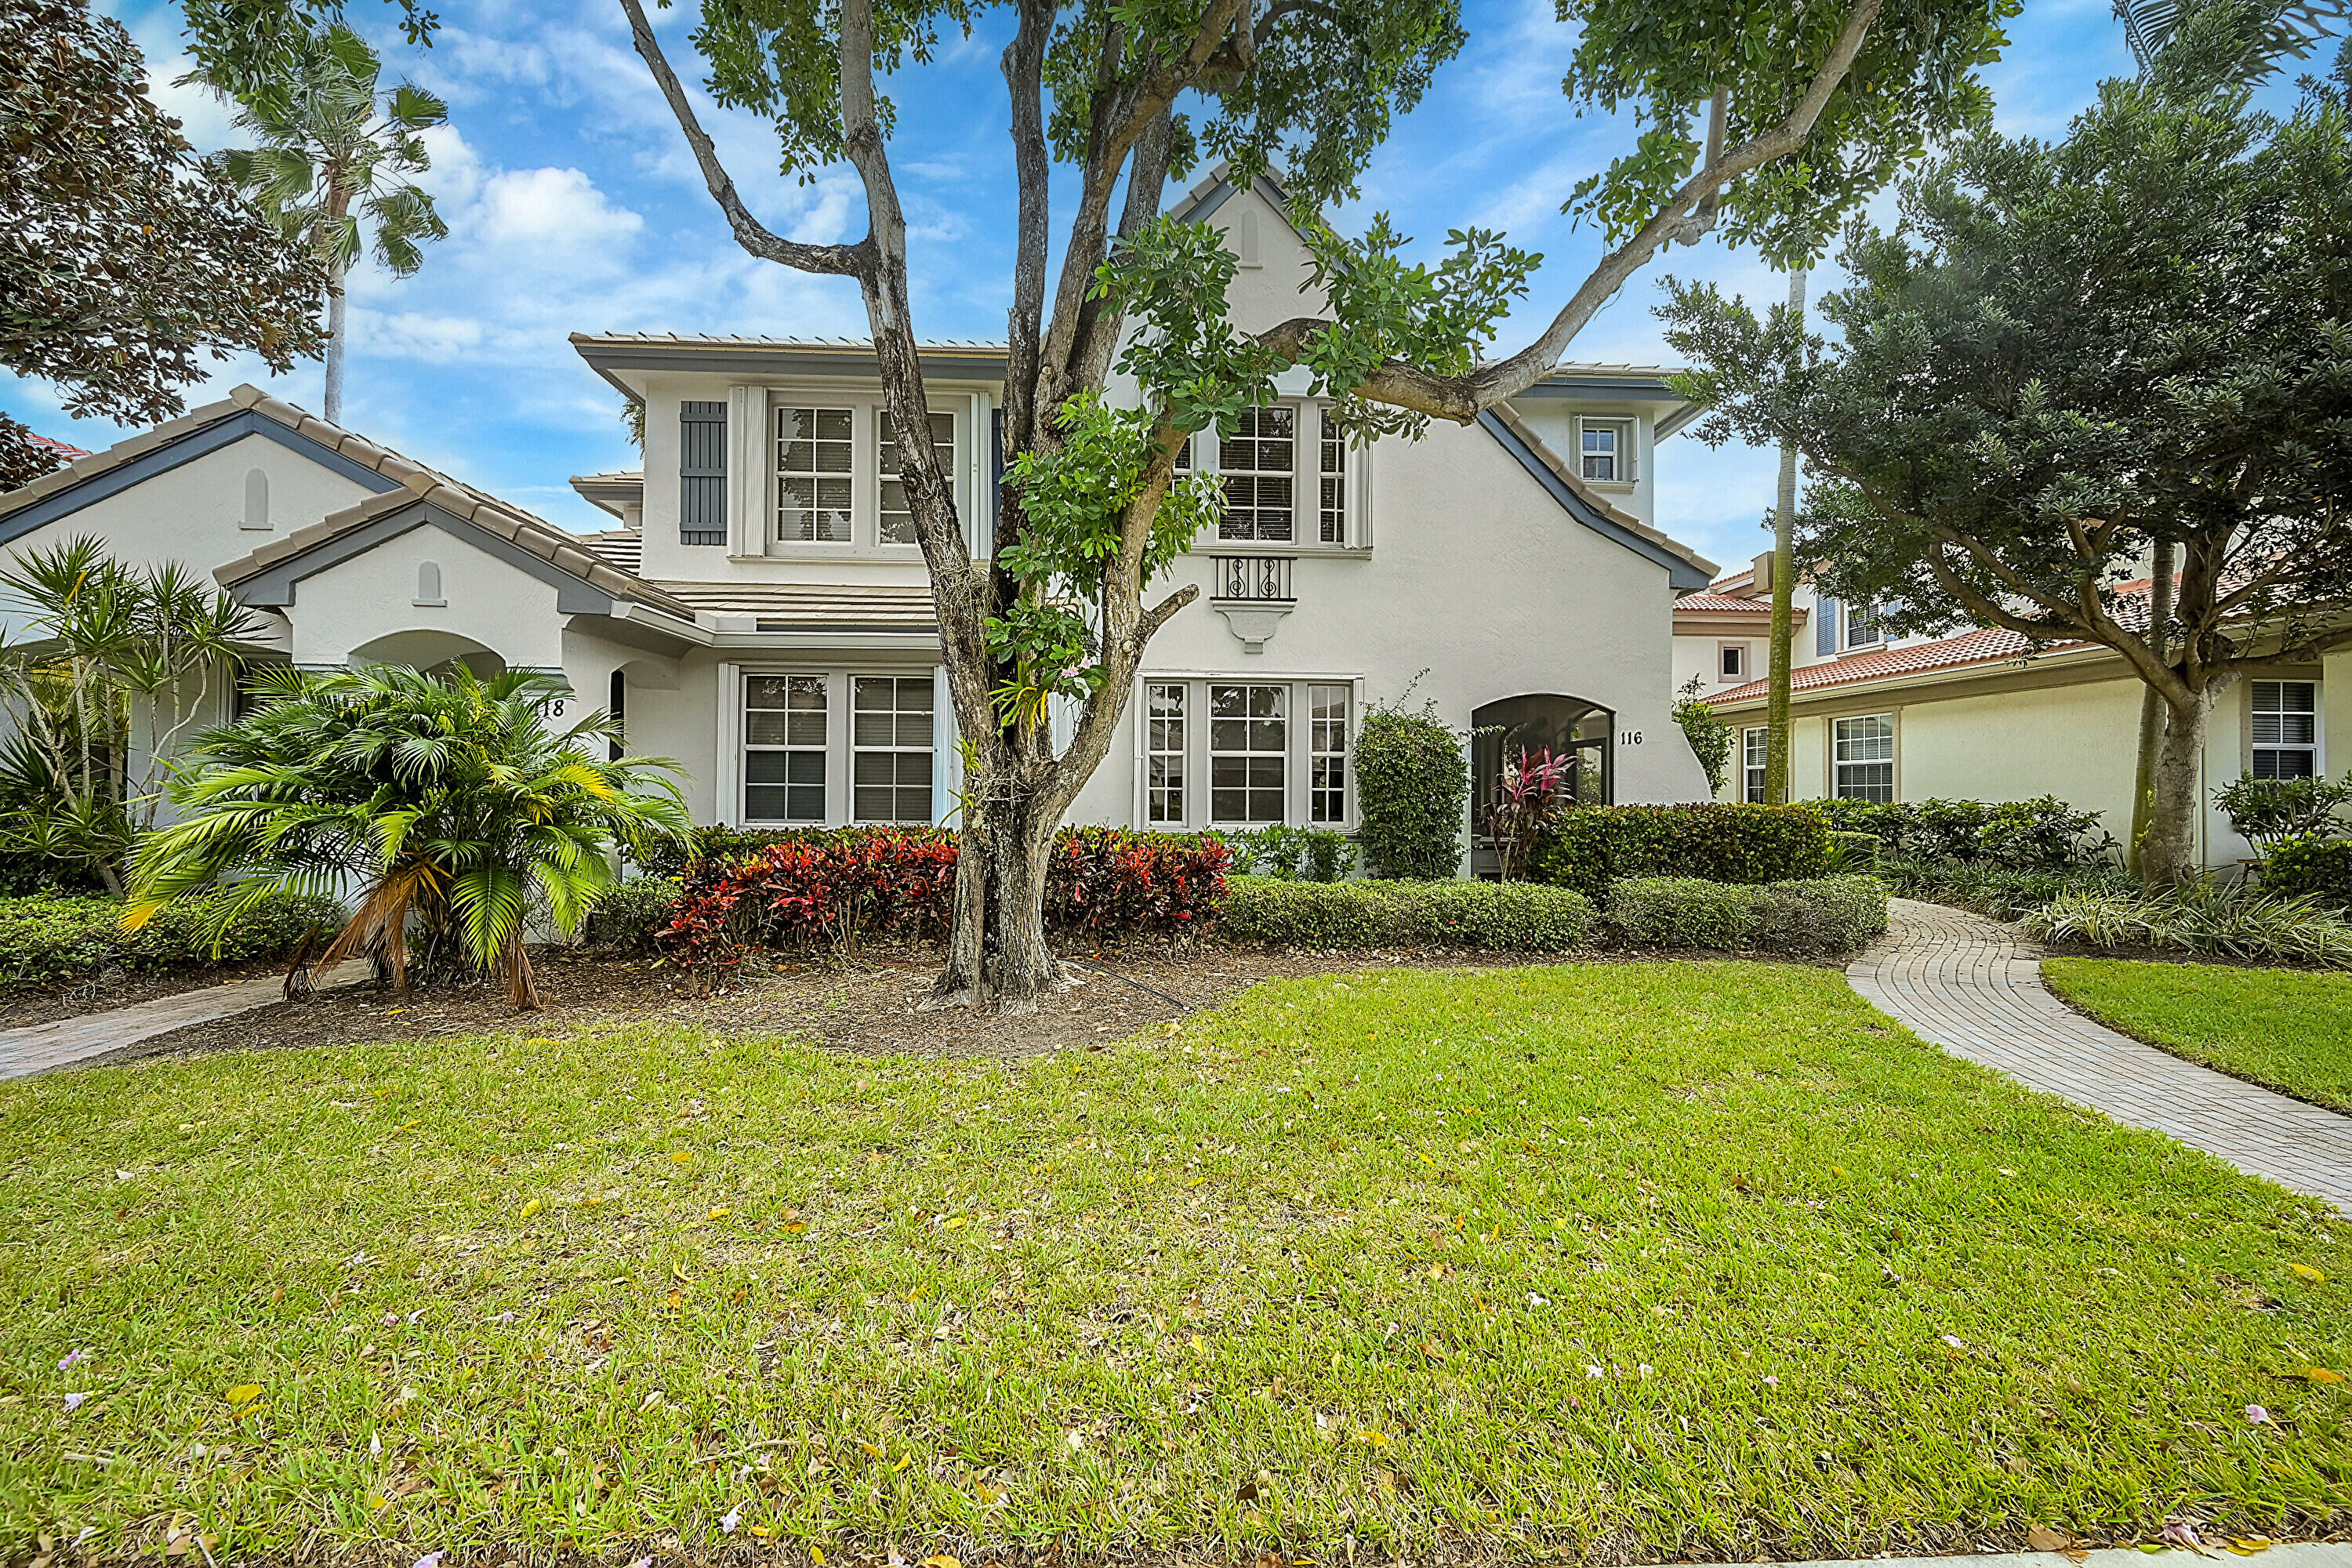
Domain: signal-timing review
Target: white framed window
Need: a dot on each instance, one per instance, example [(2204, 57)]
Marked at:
[(891, 736), (815, 459), (1259, 463), (1331, 471), (1164, 750), (1605, 450), (1249, 753), (897, 522), (1754, 747), (784, 742), (1862, 628), (2285, 729), (1731, 661), (1863, 753), (1327, 754)]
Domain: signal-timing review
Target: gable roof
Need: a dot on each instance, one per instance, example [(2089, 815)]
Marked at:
[(400, 487), (1685, 569)]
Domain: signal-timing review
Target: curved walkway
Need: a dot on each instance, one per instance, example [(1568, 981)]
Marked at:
[(39, 1047), (1974, 986)]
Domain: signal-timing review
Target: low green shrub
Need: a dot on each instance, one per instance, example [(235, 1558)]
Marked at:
[(1590, 847), (1855, 852), (1810, 915), (48, 940), (1516, 917), (24, 874), (1292, 854), (1994, 891), (2041, 835), (626, 920), (2320, 868), (2229, 920), (2269, 812)]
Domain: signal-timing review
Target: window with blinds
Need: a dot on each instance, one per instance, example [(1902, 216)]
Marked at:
[(2286, 729)]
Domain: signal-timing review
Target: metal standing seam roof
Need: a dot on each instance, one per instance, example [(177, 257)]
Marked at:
[(815, 606)]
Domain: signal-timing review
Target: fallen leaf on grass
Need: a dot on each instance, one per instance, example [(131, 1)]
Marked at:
[(941, 1561), (2041, 1538), (2307, 1272), (243, 1395), (2319, 1374), (2247, 1546), (531, 1208)]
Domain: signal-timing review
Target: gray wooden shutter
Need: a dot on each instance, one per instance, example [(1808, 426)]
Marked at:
[(1825, 619), (702, 473)]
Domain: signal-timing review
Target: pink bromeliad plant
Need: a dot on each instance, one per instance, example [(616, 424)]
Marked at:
[(1534, 788)]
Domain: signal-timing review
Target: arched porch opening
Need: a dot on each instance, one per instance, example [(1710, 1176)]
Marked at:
[(432, 650), (1504, 730)]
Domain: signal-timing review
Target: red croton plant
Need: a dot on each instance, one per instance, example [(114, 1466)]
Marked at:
[(835, 890)]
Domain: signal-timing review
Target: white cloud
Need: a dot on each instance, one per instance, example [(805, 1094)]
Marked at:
[(557, 209)]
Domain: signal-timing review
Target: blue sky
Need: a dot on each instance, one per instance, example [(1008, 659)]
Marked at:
[(574, 206)]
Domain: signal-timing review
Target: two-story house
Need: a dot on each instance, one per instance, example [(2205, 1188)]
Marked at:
[(762, 614), (1975, 715)]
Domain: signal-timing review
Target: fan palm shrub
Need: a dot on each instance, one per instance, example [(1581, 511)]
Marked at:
[(444, 802)]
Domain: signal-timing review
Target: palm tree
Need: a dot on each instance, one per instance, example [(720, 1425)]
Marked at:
[(445, 800), (333, 152)]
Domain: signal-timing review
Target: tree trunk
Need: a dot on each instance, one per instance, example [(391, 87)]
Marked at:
[(998, 952), (2151, 702), (2169, 852), (333, 413), (1784, 613)]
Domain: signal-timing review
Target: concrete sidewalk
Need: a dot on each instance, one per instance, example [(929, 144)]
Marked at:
[(39, 1047)]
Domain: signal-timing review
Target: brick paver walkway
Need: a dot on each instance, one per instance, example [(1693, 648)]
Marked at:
[(1974, 986), (38, 1047)]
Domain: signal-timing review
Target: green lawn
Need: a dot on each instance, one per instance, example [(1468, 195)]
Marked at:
[(2280, 1028), (1674, 1260)]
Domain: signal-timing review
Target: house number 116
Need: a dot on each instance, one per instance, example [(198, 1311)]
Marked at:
[(1628, 737)]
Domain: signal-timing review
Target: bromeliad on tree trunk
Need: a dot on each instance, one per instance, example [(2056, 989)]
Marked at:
[(1817, 106)]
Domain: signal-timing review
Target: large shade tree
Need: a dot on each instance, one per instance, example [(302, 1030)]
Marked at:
[(126, 262), (1812, 109), (2065, 355)]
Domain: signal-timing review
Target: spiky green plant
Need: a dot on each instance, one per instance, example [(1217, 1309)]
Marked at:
[(332, 150), (443, 801)]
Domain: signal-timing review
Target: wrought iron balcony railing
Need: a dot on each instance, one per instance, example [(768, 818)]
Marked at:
[(1255, 579)]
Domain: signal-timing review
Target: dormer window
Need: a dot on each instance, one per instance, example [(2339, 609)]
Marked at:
[(1605, 450)]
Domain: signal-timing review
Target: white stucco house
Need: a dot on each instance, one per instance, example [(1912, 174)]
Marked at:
[(761, 613), (1976, 715)]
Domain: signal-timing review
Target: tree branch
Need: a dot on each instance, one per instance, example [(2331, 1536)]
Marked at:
[(1463, 398), (844, 260)]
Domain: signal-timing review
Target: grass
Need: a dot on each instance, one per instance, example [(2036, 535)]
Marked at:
[(1622, 1260), (2281, 1028)]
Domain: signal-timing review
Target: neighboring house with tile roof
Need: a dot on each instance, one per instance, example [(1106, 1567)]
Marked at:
[(761, 613), (1981, 715)]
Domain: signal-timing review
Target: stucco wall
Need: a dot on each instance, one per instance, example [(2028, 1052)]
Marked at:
[(367, 598)]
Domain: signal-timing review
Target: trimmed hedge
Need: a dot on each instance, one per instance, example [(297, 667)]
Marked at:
[(2043, 834), (47, 941), (1412, 779), (1818, 914), (1590, 847), (2319, 868), (1513, 917), (626, 920)]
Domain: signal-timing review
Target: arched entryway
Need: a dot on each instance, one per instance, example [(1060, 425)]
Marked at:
[(431, 649), (1503, 730)]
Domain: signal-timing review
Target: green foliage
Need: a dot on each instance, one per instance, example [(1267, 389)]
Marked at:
[(50, 940), (1511, 917), (2065, 330), (1853, 851), (1591, 847), (2267, 812), (2284, 1029), (1292, 854), (1413, 781), (1995, 890), (2231, 920), (2043, 834), (127, 265), (1914, 83), (113, 664), (1710, 735), (1812, 915), (446, 800), (2314, 867), (626, 919)]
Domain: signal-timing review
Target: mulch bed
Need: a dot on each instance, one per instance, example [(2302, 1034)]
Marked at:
[(869, 1005), (119, 988)]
